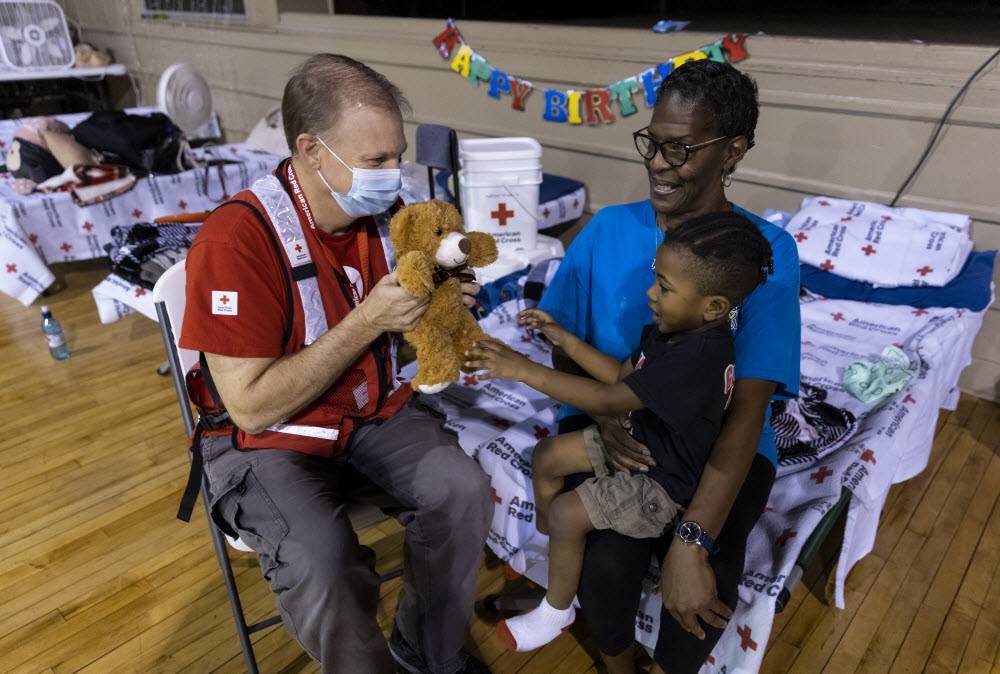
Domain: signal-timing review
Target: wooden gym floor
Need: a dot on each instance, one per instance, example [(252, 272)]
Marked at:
[(96, 574)]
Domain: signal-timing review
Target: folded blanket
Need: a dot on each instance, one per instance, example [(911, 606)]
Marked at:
[(970, 289), (884, 246), (140, 253)]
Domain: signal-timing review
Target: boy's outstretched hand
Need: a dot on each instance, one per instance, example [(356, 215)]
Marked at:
[(536, 319), (494, 359)]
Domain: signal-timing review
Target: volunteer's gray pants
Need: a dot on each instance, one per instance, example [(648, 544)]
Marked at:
[(289, 507)]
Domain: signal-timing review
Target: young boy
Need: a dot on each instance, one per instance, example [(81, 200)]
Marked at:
[(675, 387)]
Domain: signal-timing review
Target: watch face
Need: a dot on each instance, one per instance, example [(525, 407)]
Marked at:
[(689, 532)]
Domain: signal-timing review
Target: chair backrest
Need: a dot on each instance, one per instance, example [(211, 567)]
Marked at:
[(169, 290), (437, 148)]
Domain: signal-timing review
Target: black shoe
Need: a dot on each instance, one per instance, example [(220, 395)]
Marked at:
[(407, 658), (410, 661)]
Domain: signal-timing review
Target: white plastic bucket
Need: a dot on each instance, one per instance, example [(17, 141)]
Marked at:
[(499, 179)]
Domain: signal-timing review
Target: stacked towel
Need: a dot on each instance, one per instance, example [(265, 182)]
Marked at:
[(887, 247)]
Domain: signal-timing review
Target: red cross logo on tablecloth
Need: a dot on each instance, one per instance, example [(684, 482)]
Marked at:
[(496, 499), (925, 270), (710, 660), (11, 268), (541, 432), (65, 247), (470, 380), (801, 236), (139, 292), (838, 316), (88, 226), (820, 475), (909, 399), (823, 202), (3, 144), (745, 640), (868, 456), (136, 213), (919, 312), (546, 213), (182, 205), (886, 218), (502, 214), (525, 338), (785, 536), (224, 299), (576, 202), (868, 250), (846, 218), (33, 238), (959, 313), (827, 265)]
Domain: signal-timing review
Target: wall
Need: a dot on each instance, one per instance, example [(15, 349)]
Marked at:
[(842, 118)]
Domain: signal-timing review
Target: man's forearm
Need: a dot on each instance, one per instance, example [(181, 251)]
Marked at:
[(591, 396), (293, 381)]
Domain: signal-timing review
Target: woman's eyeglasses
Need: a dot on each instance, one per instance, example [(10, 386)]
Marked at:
[(674, 153)]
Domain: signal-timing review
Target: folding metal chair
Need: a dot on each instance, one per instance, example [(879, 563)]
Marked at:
[(437, 148), (168, 296)]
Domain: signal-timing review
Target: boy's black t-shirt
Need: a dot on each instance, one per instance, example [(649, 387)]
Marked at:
[(685, 382)]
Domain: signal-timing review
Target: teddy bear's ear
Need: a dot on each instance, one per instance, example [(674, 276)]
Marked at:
[(400, 226)]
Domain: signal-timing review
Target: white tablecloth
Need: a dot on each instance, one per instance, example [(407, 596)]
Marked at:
[(38, 229)]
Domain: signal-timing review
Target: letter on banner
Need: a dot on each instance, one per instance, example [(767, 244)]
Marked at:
[(499, 83), (460, 64), (684, 58), (447, 39), (622, 92), (520, 89), (597, 101), (714, 52), (555, 106), (652, 78), (481, 70), (574, 107), (733, 44)]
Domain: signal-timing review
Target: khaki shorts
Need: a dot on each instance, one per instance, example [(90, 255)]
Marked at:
[(632, 505)]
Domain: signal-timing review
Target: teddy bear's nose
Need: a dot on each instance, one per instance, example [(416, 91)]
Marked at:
[(465, 246)]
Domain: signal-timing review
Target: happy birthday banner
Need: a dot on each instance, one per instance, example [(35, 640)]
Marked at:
[(586, 106)]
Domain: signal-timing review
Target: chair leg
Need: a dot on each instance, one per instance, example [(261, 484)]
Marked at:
[(234, 598)]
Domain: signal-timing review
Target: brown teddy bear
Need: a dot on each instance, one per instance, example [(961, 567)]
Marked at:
[(434, 254)]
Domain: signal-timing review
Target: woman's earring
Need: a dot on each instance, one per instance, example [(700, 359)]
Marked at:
[(727, 179)]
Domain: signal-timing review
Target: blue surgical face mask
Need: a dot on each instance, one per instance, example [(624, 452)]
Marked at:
[(372, 191)]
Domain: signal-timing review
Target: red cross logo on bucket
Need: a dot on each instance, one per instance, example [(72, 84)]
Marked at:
[(501, 214)]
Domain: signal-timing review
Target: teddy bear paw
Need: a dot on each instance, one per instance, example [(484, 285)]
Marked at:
[(431, 389)]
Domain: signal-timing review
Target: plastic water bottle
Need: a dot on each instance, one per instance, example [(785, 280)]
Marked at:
[(54, 335)]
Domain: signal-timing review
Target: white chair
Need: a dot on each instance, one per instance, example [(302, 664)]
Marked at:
[(168, 296)]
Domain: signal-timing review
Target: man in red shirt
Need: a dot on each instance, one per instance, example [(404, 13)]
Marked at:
[(292, 299)]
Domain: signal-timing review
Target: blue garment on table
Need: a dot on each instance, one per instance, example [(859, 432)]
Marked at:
[(969, 290), (599, 294)]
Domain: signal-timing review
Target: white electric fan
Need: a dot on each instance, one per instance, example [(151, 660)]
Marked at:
[(34, 36), (184, 96)]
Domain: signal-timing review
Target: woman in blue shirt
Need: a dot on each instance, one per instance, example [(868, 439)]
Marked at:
[(702, 125)]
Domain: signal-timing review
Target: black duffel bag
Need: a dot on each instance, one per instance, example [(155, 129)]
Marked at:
[(146, 144)]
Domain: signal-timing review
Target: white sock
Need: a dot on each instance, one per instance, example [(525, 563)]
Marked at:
[(537, 627)]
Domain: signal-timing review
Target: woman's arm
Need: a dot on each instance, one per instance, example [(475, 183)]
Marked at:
[(688, 582)]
